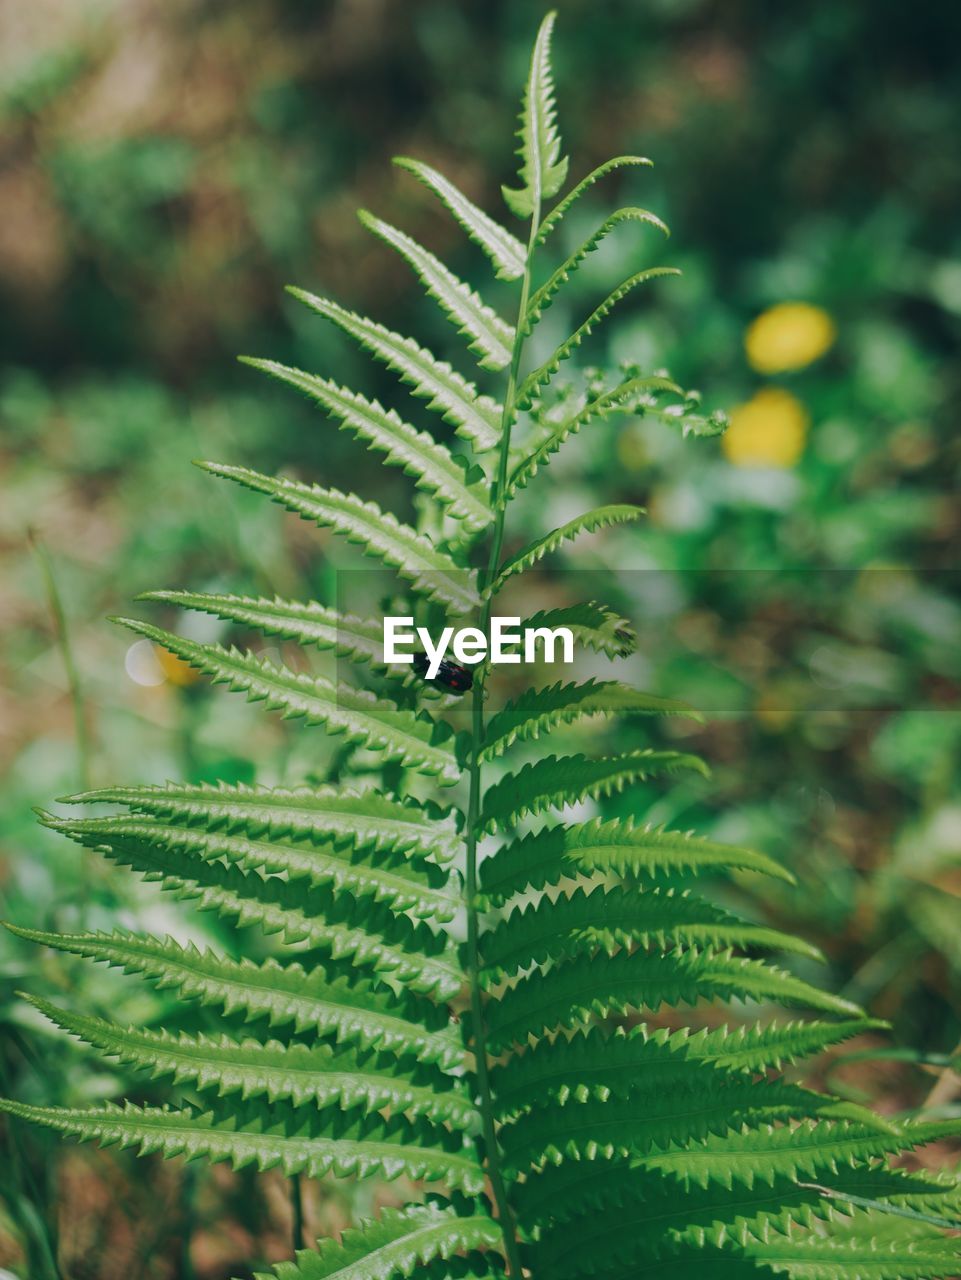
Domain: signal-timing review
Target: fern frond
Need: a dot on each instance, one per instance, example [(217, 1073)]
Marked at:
[(474, 416), (365, 937), (369, 938), (473, 1020), (476, 1265), (399, 1244), (284, 994), (491, 338), (317, 1144), (609, 919), (820, 1258), (760, 1155), (431, 464), (412, 739), (539, 710), (412, 554), (661, 1110), (405, 884), (546, 294), (505, 251), (574, 1196), (599, 1064), (278, 1072), (577, 988), (877, 1221), (308, 622), (540, 377), (618, 847), (557, 214), (626, 1217), (365, 820), (542, 170), (590, 522), (618, 399), (760, 1048), (879, 1211), (556, 781), (591, 1063), (593, 625)]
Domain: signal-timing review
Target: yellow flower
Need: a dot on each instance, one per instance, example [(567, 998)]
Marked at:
[(788, 336), (769, 430), (175, 669)]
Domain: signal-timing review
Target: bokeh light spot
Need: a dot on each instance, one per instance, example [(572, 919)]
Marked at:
[(769, 430), (142, 665), (788, 336)]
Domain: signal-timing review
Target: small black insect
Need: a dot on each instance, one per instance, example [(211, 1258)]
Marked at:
[(449, 674)]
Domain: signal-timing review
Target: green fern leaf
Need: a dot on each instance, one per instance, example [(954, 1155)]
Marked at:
[(398, 1244), (752, 1156), (825, 1259), (619, 848), (370, 938), (412, 554), (350, 1012), (762, 1047), (592, 1063), (297, 1073), (504, 250), (315, 1146), (557, 214), (554, 782), (361, 639), (576, 1197), (539, 710), (474, 416), (431, 464), (414, 1019), (491, 338), (542, 376), (475, 1265), (606, 920), (367, 937), (619, 399), (601, 1064), (365, 820), (879, 1210), (542, 171), (575, 989), (546, 294), (677, 1265), (590, 522), (660, 1111), (642, 1218), (412, 739), (593, 625), (408, 884)]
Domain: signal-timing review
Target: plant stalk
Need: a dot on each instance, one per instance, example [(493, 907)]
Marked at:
[(297, 1210), (55, 604), (505, 1215)]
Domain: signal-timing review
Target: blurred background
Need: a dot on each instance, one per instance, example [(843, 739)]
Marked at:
[(167, 166)]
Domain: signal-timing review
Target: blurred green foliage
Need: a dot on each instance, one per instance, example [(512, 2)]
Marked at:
[(166, 168)]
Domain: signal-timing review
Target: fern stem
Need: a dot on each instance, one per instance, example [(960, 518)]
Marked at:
[(297, 1209), (507, 416), (62, 632), (505, 1215)]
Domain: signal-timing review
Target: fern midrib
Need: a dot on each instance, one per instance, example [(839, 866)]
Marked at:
[(505, 1214)]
